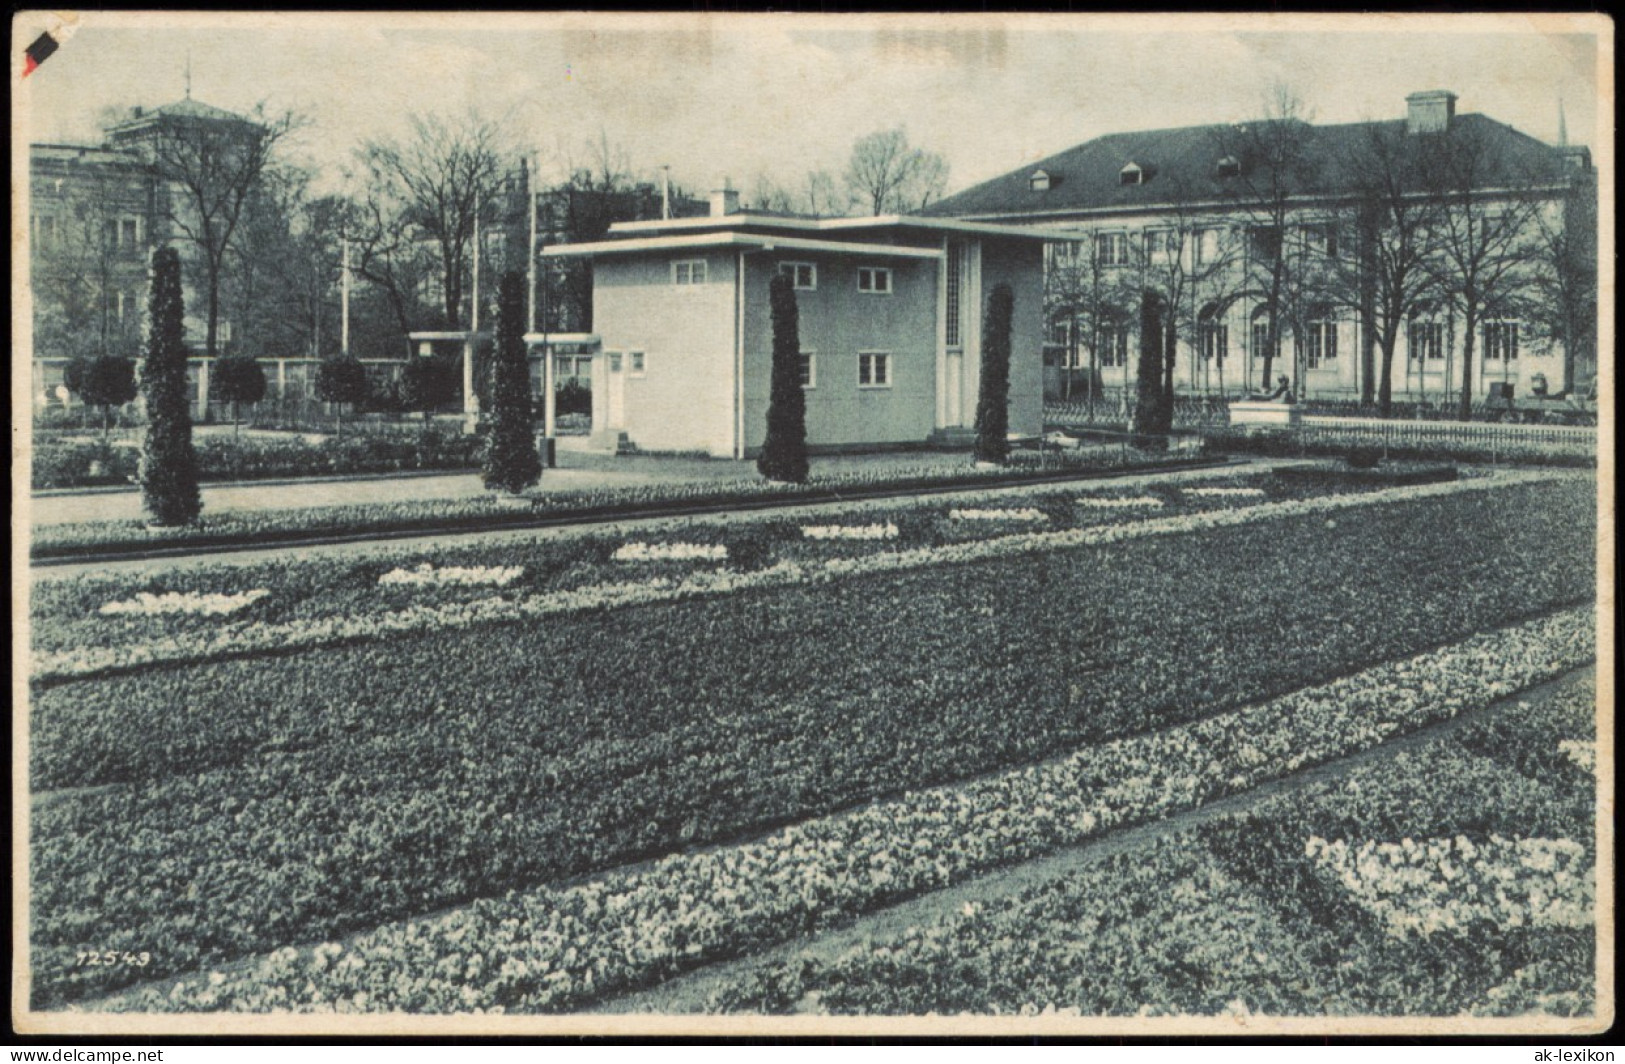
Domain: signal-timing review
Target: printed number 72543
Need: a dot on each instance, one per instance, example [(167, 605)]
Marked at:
[(107, 957)]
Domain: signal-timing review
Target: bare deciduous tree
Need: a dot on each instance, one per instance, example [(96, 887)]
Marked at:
[(887, 175), (1484, 246), (1563, 303), (1386, 273), (1270, 166), (433, 186), (215, 164)]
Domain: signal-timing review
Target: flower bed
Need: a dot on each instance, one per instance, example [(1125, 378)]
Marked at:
[(1423, 887), (321, 793), (763, 552), (558, 946), (66, 540), (1107, 502), (858, 532), (1024, 514), (1170, 927), (322, 589), (1243, 492), (670, 552), (181, 602), (465, 576)]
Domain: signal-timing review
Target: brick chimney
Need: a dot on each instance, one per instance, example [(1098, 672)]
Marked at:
[(724, 200), (1429, 112)]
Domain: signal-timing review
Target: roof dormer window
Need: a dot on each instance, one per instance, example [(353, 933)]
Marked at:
[(1132, 174), (1229, 166), (1040, 181)]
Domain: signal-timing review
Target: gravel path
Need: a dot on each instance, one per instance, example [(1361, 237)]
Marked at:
[(688, 993)]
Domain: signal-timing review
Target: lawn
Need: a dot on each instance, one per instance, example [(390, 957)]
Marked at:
[(217, 811)]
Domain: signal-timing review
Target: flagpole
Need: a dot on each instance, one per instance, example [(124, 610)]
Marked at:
[(344, 302), (530, 194), (474, 311)]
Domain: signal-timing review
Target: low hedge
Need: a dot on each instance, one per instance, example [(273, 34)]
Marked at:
[(71, 465), (308, 796)]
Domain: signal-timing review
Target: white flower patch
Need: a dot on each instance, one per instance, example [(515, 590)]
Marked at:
[(1246, 493), (1580, 752), (667, 552), (146, 603), (478, 576), (886, 531), (1109, 503), (1024, 514), (1423, 886)]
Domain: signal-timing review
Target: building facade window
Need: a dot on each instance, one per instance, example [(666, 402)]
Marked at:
[(1111, 249), (1426, 341), (1262, 343), (1162, 246), (874, 279), (1205, 247), (688, 271), (1320, 341), (635, 363), (874, 369), (807, 369), (1229, 166), (1215, 341), (1131, 175), (1320, 240), (1040, 181), (1501, 341), (124, 234), (1266, 242), (803, 275), (1111, 341), (952, 301)]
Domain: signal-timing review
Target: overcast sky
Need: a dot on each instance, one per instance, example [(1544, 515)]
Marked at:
[(735, 96)]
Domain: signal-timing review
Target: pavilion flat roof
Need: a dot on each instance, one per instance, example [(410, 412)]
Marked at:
[(730, 239)]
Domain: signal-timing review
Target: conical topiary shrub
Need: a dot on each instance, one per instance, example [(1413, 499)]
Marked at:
[(784, 452), (993, 398), (1149, 432), (511, 463), (168, 475)]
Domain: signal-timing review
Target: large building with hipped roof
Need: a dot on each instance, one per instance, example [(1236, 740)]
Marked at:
[(1197, 214)]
